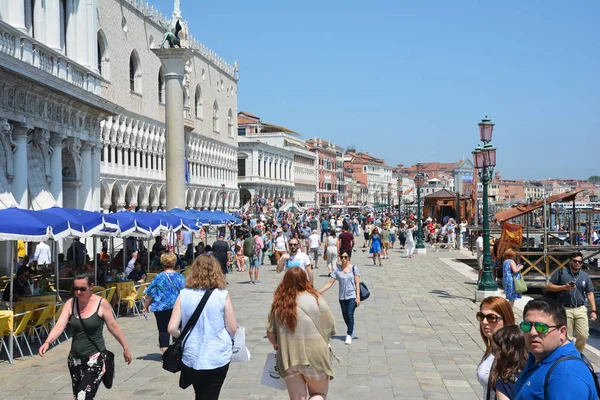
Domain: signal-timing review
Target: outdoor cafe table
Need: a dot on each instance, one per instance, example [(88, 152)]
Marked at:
[(30, 305), (9, 314), (124, 288)]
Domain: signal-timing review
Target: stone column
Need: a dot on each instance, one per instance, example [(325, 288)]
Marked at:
[(39, 29), (56, 143), (174, 61), (91, 33), (19, 183), (96, 177), (52, 24), (71, 21), (16, 15), (85, 191), (81, 36)]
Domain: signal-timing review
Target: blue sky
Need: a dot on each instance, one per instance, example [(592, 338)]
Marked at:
[(410, 80)]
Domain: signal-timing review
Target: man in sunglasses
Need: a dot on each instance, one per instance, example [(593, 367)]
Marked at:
[(544, 376), (573, 287), (20, 285), (295, 258)]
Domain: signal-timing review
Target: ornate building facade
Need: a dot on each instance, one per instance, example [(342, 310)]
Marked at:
[(133, 141), (82, 108)]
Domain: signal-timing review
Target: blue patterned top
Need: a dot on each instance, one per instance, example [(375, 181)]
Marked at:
[(163, 292)]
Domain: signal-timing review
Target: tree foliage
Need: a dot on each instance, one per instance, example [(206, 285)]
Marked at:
[(595, 179)]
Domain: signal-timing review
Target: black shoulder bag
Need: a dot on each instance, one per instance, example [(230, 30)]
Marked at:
[(172, 358), (109, 362), (365, 293)]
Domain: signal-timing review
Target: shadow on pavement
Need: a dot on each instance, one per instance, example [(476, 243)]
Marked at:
[(445, 295), (151, 357)]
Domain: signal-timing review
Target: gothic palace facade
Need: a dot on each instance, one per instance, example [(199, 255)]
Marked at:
[(82, 109)]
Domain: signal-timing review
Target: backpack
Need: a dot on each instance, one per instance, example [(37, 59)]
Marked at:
[(249, 244), (595, 375)]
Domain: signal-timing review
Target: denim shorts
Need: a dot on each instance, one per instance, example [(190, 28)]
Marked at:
[(255, 262)]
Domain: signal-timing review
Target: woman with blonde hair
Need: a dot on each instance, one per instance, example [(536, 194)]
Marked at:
[(161, 295), (207, 351), (299, 327), (509, 269), (494, 314)]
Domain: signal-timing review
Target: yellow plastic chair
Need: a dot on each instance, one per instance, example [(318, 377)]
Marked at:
[(110, 293), (133, 299), (21, 330), (39, 325), (3, 325), (98, 289), (53, 321)]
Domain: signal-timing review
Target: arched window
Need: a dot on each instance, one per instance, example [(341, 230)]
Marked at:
[(103, 57), (161, 85), (230, 123), (215, 116), (198, 103), (135, 73)]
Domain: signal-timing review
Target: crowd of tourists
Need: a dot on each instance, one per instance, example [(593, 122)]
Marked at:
[(537, 358)]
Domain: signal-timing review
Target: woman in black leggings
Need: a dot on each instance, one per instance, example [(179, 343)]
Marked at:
[(161, 295)]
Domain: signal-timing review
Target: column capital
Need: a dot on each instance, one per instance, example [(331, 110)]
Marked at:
[(56, 139), (87, 146)]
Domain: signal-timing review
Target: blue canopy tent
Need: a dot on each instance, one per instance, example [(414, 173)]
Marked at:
[(91, 221), (28, 225), (213, 217), (228, 217), (187, 219)]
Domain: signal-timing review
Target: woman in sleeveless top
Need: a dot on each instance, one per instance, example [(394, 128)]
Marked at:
[(208, 349), (88, 353), (331, 250), (375, 246)]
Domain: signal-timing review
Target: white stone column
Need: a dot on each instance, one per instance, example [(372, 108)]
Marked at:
[(16, 14), (19, 183), (56, 141), (106, 149), (92, 33), (174, 61), (39, 29), (82, 36), (52, 24), (71, 21), (96, 177), (85, 190)]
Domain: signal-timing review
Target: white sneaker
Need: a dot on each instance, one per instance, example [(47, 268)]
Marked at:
[(348, 339)]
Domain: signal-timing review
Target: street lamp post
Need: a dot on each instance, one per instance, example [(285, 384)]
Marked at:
[(419, 179), (400, 201), (485, 161), (223, 195)]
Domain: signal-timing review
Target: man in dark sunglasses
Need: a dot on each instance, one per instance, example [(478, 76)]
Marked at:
[(573, 288), (544, 376), (296, 258)]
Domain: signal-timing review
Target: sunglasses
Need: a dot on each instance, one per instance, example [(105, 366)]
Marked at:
[(576, 261), (342, 257), (491, 318), (540, 327), (80, 289), (294, 244)]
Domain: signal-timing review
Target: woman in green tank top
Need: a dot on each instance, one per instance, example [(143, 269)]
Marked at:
[(88, 353)]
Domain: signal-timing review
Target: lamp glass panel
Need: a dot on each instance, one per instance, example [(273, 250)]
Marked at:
[(485, 132)]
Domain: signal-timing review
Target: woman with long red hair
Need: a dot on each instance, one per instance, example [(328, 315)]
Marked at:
[(299, 327)]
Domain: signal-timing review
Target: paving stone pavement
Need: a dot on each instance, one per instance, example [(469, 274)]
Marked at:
[(417, 338)]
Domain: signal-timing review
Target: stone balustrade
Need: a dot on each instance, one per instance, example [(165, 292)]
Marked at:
[(15, 43)]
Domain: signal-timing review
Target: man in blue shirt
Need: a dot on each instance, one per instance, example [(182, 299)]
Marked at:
[(545, 328)]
